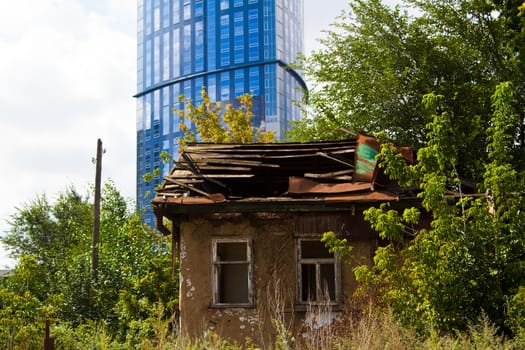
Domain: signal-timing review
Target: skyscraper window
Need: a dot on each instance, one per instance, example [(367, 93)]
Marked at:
[(175, 53), (198, 8), (186, 53), (187, 9), (225, 40), (225, 87), (176, 11), (238, 37), (239, 82), (199, 46), (253, 35)]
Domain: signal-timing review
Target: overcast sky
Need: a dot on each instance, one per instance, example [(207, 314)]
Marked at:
[(67, 76)]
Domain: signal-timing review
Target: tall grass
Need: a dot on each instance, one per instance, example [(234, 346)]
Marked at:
[(371, 330)]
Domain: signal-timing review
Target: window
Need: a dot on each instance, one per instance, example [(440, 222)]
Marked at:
[(176, 11), (156, 15), (212, 87), (225, 40), (165, 13), (238, 37), (187, 46), (199, 46), (175, 53), (254, 80), (253, 35), (199, 10), (156, 59), (238, 82), (166, 56), (318, 273), (225, 86), (187, 9), (232, 272)]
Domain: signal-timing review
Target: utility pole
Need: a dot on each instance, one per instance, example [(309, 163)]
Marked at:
[(96, 223)]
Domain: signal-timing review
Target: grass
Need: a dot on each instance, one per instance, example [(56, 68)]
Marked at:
[(371, 331)]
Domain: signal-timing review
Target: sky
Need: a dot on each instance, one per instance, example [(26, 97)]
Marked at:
[(67, 77)]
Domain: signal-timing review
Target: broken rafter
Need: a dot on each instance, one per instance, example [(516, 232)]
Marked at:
[(242, 162), (332, 157), (191, 164), (206, 166), (329, 175), (191, 188)]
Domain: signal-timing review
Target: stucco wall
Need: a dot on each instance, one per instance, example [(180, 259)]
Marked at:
[(274, 275)]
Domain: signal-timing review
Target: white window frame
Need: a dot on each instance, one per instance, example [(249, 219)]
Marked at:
[(317, 262), (216, 264)]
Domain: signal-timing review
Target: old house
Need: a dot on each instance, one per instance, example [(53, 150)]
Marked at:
[(247, 220)]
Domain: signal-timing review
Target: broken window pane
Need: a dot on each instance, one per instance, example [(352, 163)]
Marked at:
[(233, 284), (328, 281), (309, 288), (314, 250), (232, 269), (318, 281), (231, 251)]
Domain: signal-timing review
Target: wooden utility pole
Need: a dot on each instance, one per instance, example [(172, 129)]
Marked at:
[(96, 223), (49, 342)]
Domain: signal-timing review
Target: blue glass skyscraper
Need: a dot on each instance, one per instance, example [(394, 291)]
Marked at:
[(230, 47)]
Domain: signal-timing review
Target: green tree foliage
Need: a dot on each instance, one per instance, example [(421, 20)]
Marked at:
[(470, 261), (213, 122), (52, 241), (217, 123), (377, 63)]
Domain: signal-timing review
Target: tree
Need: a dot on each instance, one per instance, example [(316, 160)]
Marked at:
[(52, 242), (218, 124), (377, 64), (470, 261)]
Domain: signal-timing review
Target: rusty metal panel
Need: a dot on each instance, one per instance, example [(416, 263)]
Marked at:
[(299, 185), (365, 162), (369, 197)]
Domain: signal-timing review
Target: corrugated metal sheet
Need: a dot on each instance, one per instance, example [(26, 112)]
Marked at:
[(299, 185)]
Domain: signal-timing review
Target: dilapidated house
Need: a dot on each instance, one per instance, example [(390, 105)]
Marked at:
[(247, 220)]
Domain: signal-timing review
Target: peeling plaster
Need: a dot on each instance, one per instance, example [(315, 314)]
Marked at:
[(182, 250), (320, 319), (250, 320), (190, 288)]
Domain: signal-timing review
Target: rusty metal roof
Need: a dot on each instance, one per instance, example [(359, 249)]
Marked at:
[(324, 171)]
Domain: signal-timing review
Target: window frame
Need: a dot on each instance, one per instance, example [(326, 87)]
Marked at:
[(317, 262), (215, 302)]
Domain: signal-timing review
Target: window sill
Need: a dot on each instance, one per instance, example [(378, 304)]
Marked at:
[(305, 307), (232, 306)]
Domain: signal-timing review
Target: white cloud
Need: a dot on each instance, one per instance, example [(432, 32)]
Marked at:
[(67, 76)]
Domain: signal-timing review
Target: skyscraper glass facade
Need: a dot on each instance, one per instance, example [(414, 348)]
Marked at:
[(231, 47)]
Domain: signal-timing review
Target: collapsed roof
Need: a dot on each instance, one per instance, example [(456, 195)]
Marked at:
[(240, 175)]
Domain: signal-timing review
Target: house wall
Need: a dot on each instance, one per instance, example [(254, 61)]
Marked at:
[(274, 252)]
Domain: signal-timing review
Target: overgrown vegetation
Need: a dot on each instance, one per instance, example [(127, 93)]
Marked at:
[(469, 263), (53, 279), (218, 123), (371, 330), (377, 63)]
